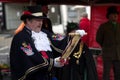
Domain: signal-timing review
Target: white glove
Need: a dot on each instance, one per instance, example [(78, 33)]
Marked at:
[(58, 63), (81, 32)]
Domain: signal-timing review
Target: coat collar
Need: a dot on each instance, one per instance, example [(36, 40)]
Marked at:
[(27, 30)]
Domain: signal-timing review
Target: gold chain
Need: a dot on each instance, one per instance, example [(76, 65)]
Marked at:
[(78, 54)]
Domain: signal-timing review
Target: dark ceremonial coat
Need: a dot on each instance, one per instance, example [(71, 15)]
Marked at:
[(85, 70), (26, 62)]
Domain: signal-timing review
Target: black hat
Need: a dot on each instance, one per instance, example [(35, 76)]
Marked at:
[(33, 12), (111, 10), (71, 26)]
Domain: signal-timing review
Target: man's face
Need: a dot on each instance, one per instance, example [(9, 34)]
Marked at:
[(35, 24), (113, 17)]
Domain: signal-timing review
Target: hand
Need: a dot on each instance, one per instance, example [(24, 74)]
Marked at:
[(81, 32), (65, 61), (58, 62)]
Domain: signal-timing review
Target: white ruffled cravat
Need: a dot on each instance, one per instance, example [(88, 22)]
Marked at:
[(41, 41)]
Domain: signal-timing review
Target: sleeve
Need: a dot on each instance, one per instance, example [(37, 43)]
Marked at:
[(58, 43), (25, 60), (100, 35), (85, 25)]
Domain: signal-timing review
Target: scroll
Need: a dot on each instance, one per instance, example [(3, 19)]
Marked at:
[(71, 45)]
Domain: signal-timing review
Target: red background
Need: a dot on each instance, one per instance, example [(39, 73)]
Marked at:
[(98, 16)]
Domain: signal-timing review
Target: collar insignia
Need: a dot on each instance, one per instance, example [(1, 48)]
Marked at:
[(57, 37)]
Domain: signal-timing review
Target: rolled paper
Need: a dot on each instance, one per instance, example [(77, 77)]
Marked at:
[(73, 34), (70, 47)]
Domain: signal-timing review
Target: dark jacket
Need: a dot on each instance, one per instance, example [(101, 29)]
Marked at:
[(26, 62), (74, 71), (108, 36)]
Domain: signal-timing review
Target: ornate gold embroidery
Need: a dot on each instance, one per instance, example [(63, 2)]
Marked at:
[(34, 68), (24, 44), (51, 64), (57, 49), (78, 54)]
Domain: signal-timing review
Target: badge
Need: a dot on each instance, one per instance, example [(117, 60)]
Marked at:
[(57, 37), (27, 49)]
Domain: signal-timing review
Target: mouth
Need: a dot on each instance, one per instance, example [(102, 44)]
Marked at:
[(39, 26)]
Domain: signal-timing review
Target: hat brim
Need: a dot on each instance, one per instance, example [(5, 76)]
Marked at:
[(34, 15)]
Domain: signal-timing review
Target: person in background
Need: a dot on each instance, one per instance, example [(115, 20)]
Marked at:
[(80, 64), (108, 37), (33, 52), (46, 22), (85, 25)]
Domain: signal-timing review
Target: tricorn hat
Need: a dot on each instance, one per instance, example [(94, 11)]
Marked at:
[(32, 12), (111, 10), (71, 26)]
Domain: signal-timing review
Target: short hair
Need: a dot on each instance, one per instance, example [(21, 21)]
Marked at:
[(84, 14)]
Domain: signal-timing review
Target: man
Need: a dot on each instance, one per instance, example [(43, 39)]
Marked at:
[(33, 53), (29, 61), (46, 22), (109, 39), (85, 25)]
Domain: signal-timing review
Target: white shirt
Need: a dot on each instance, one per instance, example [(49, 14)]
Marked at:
[(41, 41)]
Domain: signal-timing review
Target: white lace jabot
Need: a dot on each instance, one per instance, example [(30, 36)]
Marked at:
[(41, 41)]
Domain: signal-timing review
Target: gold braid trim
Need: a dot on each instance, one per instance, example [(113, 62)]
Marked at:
[(57, 49), (78, 54), (51, 64), (34, 68)]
